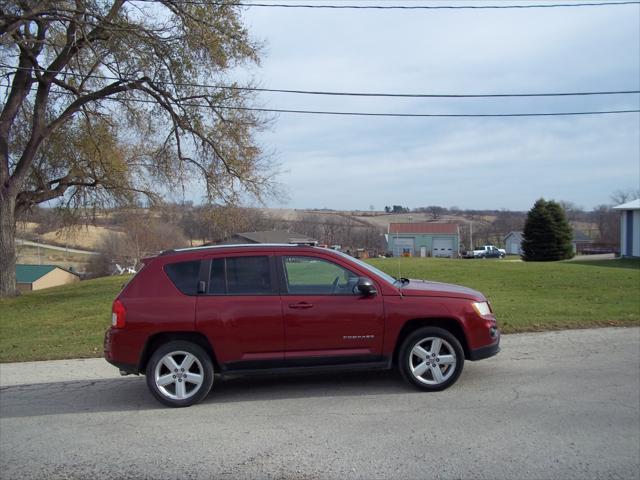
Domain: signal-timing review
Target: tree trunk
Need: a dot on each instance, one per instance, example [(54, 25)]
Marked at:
[(7, 246)]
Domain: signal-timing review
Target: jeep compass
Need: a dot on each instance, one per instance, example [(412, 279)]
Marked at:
[(190, 314)]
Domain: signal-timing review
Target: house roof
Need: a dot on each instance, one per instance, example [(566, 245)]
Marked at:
[(31, 273), (275, 236), (517, 235), (433, 228), (632, 205)]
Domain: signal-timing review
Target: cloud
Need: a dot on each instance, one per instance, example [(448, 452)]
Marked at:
[(352, 162)]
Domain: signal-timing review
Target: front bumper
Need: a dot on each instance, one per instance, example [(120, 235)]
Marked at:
[(486, 351)]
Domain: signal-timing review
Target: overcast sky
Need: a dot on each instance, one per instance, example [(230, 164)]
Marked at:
[(355, 162)]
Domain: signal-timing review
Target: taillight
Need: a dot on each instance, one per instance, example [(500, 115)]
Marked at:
[(118, 314)]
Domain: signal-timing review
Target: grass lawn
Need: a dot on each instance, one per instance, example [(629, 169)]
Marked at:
[(69, 321), (61, 322), (540, 296)]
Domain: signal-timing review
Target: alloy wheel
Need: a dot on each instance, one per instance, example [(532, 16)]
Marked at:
[(432, 361), (179, 375)]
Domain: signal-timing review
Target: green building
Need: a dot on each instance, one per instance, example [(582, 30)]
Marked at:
[(423, 239)]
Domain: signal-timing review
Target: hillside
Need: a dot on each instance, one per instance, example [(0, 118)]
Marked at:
[(45, 227), (61, 322)]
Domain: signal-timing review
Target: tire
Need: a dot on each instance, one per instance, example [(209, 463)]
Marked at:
[(179, 373), (448, 359)]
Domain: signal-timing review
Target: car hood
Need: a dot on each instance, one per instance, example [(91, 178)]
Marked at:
[(424, 288)]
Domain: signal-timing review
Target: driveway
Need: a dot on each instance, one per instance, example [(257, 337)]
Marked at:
[(550, 405)]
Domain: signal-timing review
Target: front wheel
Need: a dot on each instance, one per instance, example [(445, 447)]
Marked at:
[(431, 358), (179, 373)]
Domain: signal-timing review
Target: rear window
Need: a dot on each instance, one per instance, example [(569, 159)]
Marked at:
[(184, 275)]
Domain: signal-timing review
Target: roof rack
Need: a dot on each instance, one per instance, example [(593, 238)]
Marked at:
[(303, 243), (299, 243)]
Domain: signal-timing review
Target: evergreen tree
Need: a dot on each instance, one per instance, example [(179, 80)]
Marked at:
[(563, 233), (547, 233)]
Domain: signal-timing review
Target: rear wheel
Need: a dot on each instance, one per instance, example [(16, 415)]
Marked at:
[(431, 358), (179, 373)]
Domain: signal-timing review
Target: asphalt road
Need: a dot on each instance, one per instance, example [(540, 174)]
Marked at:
[(560, 405)]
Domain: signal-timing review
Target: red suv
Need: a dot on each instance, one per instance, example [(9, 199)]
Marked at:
[(247, 309)]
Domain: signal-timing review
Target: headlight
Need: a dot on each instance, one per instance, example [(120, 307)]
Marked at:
[(482, 308)]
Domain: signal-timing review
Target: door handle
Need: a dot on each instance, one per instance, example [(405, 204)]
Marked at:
[(301, 305)]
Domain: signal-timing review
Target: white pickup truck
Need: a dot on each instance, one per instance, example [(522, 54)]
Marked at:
[(489, 251)]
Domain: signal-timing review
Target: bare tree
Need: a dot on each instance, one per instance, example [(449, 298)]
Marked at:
[(507, 221), (435, 211), (141, 237), (623, 196), (572, 211), (108, 101), (608, 223)]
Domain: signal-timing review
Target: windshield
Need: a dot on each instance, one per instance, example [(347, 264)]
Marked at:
[(370, 268)]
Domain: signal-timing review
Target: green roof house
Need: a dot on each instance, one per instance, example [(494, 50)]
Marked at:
[(37, 277)]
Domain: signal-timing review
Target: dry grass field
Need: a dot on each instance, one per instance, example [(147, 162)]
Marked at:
[(31, 255), (85, 237)]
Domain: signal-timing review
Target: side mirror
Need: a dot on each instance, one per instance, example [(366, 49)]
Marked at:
[(365, 286)]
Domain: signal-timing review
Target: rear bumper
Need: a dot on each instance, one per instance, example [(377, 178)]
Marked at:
[(118, 353), (125, 368)]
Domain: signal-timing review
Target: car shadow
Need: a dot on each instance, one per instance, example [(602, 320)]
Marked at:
[(131, 394)]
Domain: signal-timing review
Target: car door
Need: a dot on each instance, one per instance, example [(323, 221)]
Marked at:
[(239, 310), (326, 320)]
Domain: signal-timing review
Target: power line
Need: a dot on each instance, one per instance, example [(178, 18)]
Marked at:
[(348, 94), (440, 115), (365, 114), (402, 7)]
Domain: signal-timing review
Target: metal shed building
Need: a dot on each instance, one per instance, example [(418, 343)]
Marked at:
[(629, 228), (513, 243), (423, 239)]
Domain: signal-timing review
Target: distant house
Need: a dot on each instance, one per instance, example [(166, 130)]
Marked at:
[(423, 239), (268, 236), (37, 277), (580, 241), (629, 228), (513, 242)]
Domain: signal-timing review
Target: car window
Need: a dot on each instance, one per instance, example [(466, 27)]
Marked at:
[(184, 275), (241, 276), (314, 276), (217, 282), (387, 278)]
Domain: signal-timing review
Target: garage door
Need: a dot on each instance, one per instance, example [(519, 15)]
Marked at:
[(442, 247), (403, 245)]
